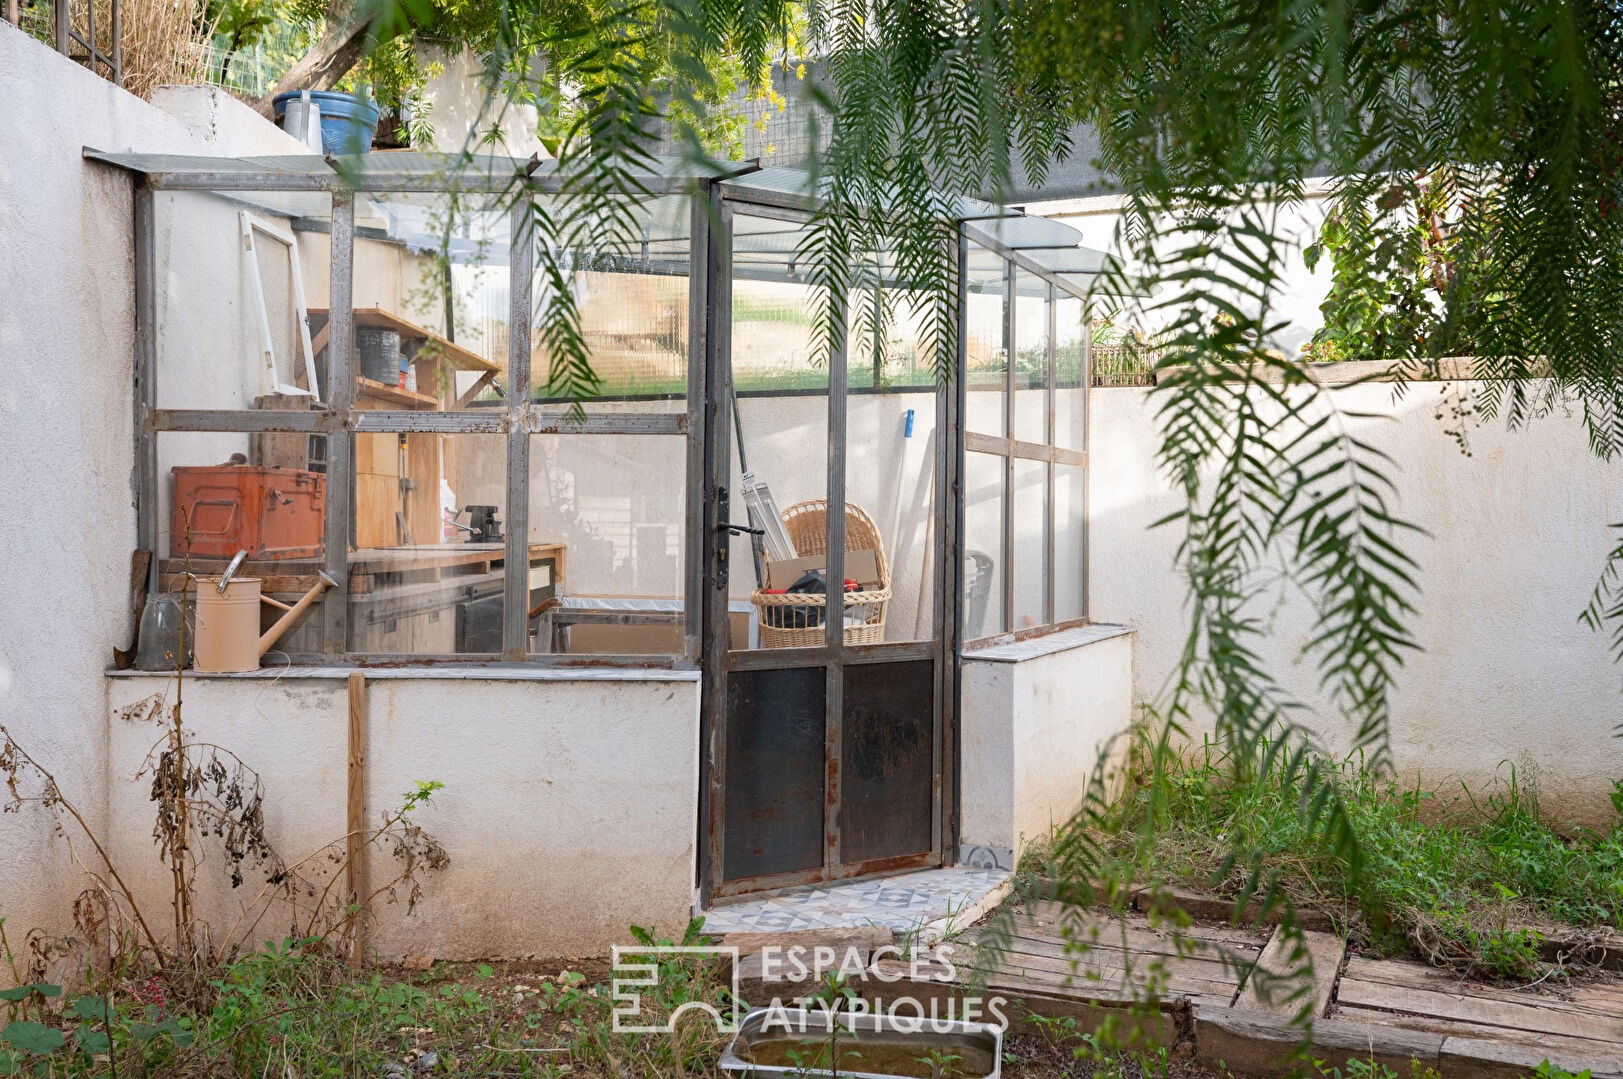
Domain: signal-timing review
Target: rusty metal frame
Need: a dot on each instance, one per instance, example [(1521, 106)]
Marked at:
[(703, 423), (1011, 449), (338, 420), (833, 655)]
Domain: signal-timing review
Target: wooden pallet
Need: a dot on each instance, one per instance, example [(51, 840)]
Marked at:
[(1391, 1011)]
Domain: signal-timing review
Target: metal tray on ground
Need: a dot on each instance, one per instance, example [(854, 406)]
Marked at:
[(871, 1046)]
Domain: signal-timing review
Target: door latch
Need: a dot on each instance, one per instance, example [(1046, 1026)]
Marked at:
[(740, 530)]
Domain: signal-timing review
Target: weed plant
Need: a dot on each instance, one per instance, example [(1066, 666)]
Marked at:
[(1473, 883)]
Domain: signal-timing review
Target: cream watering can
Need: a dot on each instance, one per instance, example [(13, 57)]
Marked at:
[(228, 637)]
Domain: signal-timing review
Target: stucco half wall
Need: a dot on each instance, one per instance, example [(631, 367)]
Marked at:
[(1516, 535), (1039, 717), (569, 811)]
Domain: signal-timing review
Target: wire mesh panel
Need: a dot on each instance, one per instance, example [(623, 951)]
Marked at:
[(887, 761), (773, 804)]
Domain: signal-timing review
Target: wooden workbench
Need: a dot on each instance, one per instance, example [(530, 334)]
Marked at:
[(371, 568)]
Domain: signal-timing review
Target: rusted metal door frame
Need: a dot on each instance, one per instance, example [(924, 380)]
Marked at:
[(711, 341)]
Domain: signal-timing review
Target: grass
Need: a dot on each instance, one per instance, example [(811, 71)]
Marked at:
[(1472, 883), (293, 1010)]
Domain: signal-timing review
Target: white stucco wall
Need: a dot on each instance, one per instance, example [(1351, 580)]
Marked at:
[(1294, 302), (461, 117), (569, 811), (1036, 717), (1517, 536), (66, 342)]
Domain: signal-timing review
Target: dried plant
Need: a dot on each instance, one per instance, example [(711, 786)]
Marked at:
[(165, 42), (162, 42), (207, 799)]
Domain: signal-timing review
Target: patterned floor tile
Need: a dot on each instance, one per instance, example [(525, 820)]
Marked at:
[(902, 903)]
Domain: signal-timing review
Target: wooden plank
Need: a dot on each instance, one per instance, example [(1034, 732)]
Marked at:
[(376, 500), (1144, 940), (1172, 978), (1456, 1028), (370, 393), (1209, 966), (1250, 1042), (1483, 1010), (354, 882), (1135, 927), (423, 501), (1486, 1058), (1287, 996), (269, 584), (377, 454), (299, 574), (451, 352), (1153, 1025), (1602, 999)]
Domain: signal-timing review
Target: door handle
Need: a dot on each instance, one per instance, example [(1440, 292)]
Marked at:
[(745, 530)]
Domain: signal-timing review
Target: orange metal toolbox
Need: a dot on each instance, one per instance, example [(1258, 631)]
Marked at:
[(219, 510)]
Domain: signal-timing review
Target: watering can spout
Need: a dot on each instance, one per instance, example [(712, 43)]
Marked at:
[(284, 623)]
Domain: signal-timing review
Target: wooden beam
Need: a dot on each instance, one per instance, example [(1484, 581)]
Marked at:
[(355, 819)]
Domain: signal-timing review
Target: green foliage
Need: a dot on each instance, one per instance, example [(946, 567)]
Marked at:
[(1448, 130), (1402, 269), (1457, 883)]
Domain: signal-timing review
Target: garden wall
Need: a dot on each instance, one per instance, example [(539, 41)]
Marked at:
[(66, 343), (569, 811), (1037, 715), (1517, 534)]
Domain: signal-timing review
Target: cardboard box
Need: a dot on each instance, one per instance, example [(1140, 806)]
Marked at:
[(860, 566), (656, 640)]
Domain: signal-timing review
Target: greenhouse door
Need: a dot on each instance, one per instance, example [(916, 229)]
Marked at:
[(827, 737)]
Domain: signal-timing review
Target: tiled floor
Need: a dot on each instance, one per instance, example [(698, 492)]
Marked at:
[(904, 903)]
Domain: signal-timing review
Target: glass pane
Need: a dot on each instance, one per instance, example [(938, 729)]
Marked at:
[(611, 509), (986, 344), (1070, 374), (239, 274), (894, 352), (430, 287), (217, 496), (1031, 358), (633, 307), (426, 571), (983, 545), (890, 498), (1030, 543), (777, 583), (1070, 542), (887, 742)]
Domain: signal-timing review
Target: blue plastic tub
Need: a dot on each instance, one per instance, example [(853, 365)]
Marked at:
[(347, 122)]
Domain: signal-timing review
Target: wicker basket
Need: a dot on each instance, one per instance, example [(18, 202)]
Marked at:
[(795, 620)]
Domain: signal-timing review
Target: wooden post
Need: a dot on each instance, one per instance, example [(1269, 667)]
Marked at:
[(355, 819)]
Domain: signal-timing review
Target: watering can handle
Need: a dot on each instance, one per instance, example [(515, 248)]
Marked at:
[(272, 635)]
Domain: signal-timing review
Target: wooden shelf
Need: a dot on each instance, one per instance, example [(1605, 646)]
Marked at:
[(437, 348), (394, 395)]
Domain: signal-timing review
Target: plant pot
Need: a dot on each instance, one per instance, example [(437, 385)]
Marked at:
[(871, 1045), (347, 122)]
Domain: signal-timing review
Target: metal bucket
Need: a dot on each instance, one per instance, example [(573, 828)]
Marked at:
[(792, 1041), (379, 351), (227, 625)]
